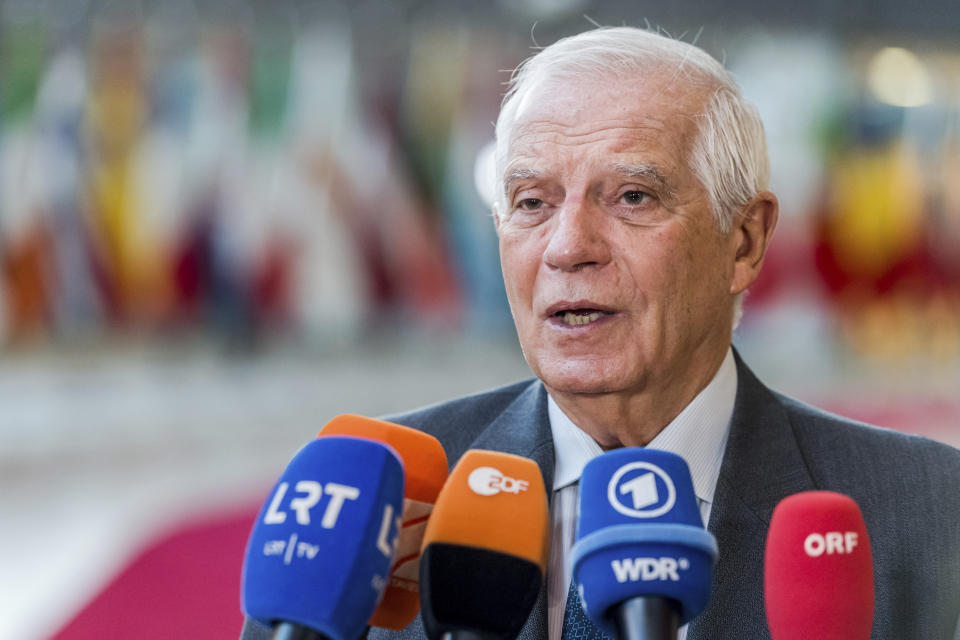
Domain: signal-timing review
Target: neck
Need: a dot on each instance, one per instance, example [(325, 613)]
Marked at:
[(635, 417)]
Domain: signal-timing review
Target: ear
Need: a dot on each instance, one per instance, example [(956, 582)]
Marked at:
[(495, 210), (752, 229)]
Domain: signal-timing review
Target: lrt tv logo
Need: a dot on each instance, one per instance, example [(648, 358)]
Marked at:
[(309, 494), (641, 490), (312, 493), (487, 481), (816, 544)]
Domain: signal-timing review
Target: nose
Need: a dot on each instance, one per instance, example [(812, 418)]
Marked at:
[(578, 238)]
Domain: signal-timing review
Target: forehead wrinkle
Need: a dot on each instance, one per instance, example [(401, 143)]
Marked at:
[(629, 132), (525, 143), (532, 133)]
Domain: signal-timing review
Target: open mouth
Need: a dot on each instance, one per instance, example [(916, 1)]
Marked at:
[(578, 317)]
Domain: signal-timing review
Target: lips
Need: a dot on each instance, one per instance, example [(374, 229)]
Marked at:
[(575, 314)]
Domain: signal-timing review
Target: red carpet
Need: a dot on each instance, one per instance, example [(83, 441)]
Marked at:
[(185, 585)]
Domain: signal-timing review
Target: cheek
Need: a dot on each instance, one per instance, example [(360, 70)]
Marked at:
[(705, 275), (518, 263), (656, 265), (520, 253), (677, 273)]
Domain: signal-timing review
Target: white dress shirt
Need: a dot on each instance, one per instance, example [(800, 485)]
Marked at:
[(698, 434)]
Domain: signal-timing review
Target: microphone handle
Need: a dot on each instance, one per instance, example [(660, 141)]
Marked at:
[(467, 634), (646, 619), (294, 631)]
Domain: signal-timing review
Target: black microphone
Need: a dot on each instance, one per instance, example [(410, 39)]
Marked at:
[(485, 549), (642, 558)]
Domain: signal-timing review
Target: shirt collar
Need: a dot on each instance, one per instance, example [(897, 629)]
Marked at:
[(698, 434)]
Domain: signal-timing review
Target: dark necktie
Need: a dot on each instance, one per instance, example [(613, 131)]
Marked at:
[(576, 624)]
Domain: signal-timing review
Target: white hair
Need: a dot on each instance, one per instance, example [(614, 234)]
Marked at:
[(729, 153)]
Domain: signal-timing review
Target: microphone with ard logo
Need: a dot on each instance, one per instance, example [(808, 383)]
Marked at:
[(818, 569), (318, 558), (425, 465), (642, 558), (485, 549)]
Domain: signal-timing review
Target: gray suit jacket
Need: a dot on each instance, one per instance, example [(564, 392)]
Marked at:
[(907, 487)]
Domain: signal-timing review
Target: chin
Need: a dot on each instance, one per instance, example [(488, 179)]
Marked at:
[(590, 376)]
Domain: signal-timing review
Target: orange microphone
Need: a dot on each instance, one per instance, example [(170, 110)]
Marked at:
[(425, 466), (485, 549)]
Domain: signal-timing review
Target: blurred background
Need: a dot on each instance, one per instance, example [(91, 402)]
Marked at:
[(223, 222)]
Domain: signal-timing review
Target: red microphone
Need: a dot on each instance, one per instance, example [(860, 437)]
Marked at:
[(818, 573)]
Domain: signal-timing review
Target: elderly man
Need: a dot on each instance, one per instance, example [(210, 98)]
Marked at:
[(632, 218)]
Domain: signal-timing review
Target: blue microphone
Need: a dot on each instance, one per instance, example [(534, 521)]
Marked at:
[(642, 558), (318, 559)]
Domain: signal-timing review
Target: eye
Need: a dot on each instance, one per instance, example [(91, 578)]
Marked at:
[(530, 204), (635, 197)]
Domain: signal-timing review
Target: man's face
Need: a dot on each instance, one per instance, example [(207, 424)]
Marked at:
[(617, 276)]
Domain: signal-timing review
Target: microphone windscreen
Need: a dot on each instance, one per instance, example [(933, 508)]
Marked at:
[(320, 551), (639, 534), (425, 465), (818, 569), (485, 548)]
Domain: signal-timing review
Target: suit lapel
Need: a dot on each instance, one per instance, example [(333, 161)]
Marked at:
[(523, 429), (762, 465)]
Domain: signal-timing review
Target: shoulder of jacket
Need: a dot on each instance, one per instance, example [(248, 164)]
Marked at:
[(475, 410), (849, 443)]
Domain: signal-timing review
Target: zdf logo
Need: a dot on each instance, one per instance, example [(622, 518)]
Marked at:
[(487, 481)]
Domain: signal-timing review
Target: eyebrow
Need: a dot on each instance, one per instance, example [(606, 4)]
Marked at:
[(645, 172), (626, 170), (515, 176)]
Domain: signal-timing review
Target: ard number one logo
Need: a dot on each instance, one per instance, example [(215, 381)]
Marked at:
[(637, 495)]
